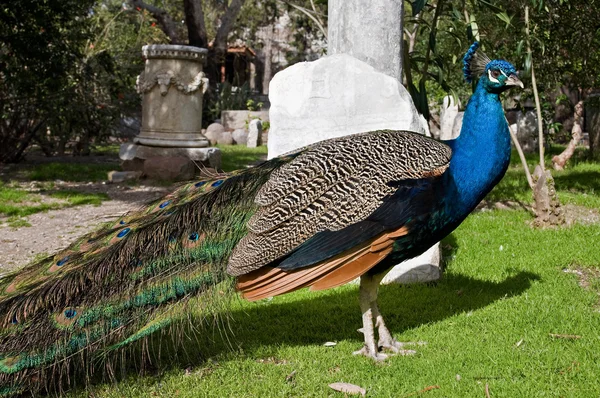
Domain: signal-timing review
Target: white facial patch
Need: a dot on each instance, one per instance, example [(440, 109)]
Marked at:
[(503, 73), (492, 78)]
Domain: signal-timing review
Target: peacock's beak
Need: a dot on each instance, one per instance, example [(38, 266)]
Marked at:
[(513, 80)]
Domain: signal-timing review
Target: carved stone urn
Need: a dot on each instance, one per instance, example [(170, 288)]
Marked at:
[(172, 85)]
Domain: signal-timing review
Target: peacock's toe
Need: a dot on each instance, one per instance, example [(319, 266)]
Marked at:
[(376, 356)]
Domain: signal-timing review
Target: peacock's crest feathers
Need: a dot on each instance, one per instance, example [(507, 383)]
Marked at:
[(475, 62)]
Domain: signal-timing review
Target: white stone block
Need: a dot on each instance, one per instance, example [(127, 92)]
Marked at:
[(127, 151), (334, 96), (254, 133), (424, 268), (447, 118)]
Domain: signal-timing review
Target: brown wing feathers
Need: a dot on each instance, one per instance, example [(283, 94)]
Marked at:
[(329, 186), (343, 268)]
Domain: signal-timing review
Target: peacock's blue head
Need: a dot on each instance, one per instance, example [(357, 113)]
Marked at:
[(496, 76)]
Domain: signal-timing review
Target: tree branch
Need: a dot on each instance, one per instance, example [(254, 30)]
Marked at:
[(166, 22), (227, 21)]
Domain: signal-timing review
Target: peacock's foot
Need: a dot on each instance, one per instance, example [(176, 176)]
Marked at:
[(376, 356), (398, 347)]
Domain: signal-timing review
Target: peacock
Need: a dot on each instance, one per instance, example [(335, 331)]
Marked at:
[(319, 217)]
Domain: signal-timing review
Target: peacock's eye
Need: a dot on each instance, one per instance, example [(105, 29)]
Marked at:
[(495, 73)]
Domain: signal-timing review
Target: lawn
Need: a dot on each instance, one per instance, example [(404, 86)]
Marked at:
[(517, 310), (16, 202)]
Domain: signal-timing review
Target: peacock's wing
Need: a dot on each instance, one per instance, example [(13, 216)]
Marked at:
[(124, 281), (339, 204)]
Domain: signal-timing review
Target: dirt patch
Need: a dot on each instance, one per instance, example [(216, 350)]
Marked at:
[(573, 214), (588, 278), (56, 229)]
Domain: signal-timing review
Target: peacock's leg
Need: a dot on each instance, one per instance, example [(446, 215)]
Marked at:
[(386, 341), (368, 295), (369, 286)]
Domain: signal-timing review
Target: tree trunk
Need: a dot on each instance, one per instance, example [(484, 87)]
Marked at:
[(592, 120), (559, 161), (194, 20), (220, 42), (267, 67), (548, 211)]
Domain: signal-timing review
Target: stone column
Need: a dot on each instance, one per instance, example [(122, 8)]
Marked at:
[(170, 143), (370, 31), (172, 85)]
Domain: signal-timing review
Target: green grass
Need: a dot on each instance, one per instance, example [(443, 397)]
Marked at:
[(578, 184), (75, 172), (235, 157), (75, 198), (489, 320), (16, 202)]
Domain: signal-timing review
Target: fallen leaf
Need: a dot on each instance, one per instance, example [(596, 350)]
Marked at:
[(348, 388), (519, 343), (487, 391), (429, 388), (565, 336), (289, 378), (330, 344), (458, 377)]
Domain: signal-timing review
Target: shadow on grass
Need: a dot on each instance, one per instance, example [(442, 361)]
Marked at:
[(581, 181), (335, 315), (259, 330)]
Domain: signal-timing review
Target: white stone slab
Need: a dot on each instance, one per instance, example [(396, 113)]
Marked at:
[(334, 96)]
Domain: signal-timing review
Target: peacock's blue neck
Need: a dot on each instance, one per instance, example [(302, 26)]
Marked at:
[(481, 152)]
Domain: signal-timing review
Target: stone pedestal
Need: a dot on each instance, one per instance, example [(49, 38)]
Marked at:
[(172, 85)]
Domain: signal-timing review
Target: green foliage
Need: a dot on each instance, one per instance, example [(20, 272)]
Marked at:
[(68, 72), (226, 98)]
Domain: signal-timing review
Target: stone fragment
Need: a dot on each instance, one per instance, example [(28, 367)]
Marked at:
[(233, 120), (127, 151), (424, 268), (527, 133), (120, 176), (240, 137), (254, 133), (447, 118), (169, 168), (135, 164), (213, 131), (225, 138)]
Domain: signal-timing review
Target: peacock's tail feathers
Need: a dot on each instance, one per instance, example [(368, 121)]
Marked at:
[(123, 282)]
